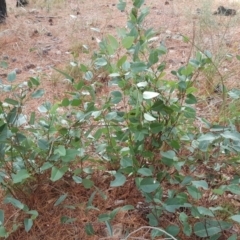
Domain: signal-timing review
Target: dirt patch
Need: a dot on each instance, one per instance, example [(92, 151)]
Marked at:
[(39, 37)]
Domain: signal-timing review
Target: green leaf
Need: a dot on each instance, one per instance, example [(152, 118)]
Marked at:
[(46, 166), (183, 217), (66, 219), (194, 192), (12, 102), (42, 109), (189, 112), (104, 217), (77, 179), (169, 154), (116, 97), (205, 211), (207, 137), (127, 208), (150, 95), (87, 183), (16, 203), (57, 173), (149, 117), (34, 81), (65, 102), (32, 118), (142, 84), (173, 230), (119, 180), (34, 214), (172, 204), (145, 172), (121, 5), (112, 43), (191, 99), (149, 185), (218, 191), (37, 94), (20, 176), (11, 76), (65, 75), (28, 223), (235, 136), (3, 232), (153, 57), (209, 227), (121, 61), (43, 144), (185, 39), (156, 127), (138, 67), (88, 76), (186, 180), (138, 3), (187, 229), (1, 217), (234, 188), (159, 106), (61, 150), (202, 183), (188, 70), (70, 155), (153, 221), (109, 228), (127, 42), (3, 64), (233, 237), (60, 199), (100, 62), (215, 237), (89, 229), (126, 162), (235, 218), (76, 102)]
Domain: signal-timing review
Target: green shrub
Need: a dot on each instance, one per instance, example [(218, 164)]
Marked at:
[(145, 130)]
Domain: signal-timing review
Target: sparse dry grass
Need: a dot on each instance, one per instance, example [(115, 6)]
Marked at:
[(51, 33)]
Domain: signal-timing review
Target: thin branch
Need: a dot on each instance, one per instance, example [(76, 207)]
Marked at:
[(149, 227)]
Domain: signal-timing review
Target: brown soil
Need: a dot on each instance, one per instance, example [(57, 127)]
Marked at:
[(51, 34)]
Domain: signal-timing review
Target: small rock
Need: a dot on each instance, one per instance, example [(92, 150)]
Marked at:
[(50, 21), (5, 57), (198, 11), (17, 70), (39, 69), (177, 37), (29, 66), (168, 32), (48, 34), (35, 33), (225, 11), (3, 75)]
